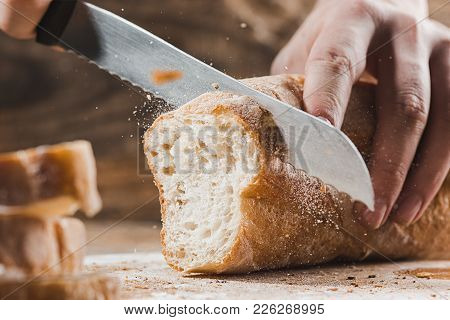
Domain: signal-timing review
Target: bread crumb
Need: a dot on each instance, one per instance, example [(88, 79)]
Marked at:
[(160, 77)]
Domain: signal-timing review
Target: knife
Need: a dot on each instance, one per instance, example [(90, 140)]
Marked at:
[(132, 53)]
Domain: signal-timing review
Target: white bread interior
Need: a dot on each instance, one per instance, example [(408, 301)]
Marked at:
[(202, 173)]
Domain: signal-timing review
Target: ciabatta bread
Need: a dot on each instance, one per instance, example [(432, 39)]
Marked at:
[(63, 287), (49, 180), (231, 202), (34, 246)]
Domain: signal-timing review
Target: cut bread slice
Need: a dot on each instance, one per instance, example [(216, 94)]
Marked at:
[(203, 173), (231, 202), (34, 246), (49, 180), (85, 286)]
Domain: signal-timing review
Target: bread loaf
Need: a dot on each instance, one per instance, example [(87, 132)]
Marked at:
[(231, 202), (31, 245), (49, 180), (68, 287)]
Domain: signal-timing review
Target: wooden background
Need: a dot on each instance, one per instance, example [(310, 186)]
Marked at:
[(48, 97)]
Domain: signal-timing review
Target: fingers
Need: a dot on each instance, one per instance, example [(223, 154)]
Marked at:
[(336, 60), (433, 157), (402, 107), (292, 58), (18, 18)]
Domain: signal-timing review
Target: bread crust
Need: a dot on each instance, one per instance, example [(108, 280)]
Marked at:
[(49, 180), (292, 219), (87, 286), (34, 246)]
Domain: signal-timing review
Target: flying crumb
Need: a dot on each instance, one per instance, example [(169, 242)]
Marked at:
[(160, 77), (243, 25)]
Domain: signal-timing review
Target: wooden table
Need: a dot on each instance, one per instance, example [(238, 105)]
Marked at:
[(131, 251)]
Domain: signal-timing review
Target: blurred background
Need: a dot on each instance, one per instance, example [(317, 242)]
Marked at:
[(48, 97)]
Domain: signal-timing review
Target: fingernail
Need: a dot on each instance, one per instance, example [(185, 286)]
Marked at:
[(408, 209), (325, 119), (373, 219)]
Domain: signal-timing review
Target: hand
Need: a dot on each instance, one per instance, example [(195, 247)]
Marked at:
[(410, 56), (18, 18)]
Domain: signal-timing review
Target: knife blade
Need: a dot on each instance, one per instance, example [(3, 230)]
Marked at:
[(132, 53)]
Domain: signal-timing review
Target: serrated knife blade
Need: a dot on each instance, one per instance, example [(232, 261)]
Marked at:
[(132, 53)]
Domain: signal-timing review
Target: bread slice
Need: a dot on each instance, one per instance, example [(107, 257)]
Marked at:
[(87, 286), (231, 202), (49, 180), (34, 246)]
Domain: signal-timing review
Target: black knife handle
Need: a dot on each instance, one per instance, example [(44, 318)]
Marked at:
[(54, 21)]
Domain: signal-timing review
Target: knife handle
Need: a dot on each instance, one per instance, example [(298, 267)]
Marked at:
[(54, 21)]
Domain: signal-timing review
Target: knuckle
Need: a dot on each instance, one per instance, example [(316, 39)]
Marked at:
[(337, 62), (404, 20), (362, 8), (411, 108), (393, 171)]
